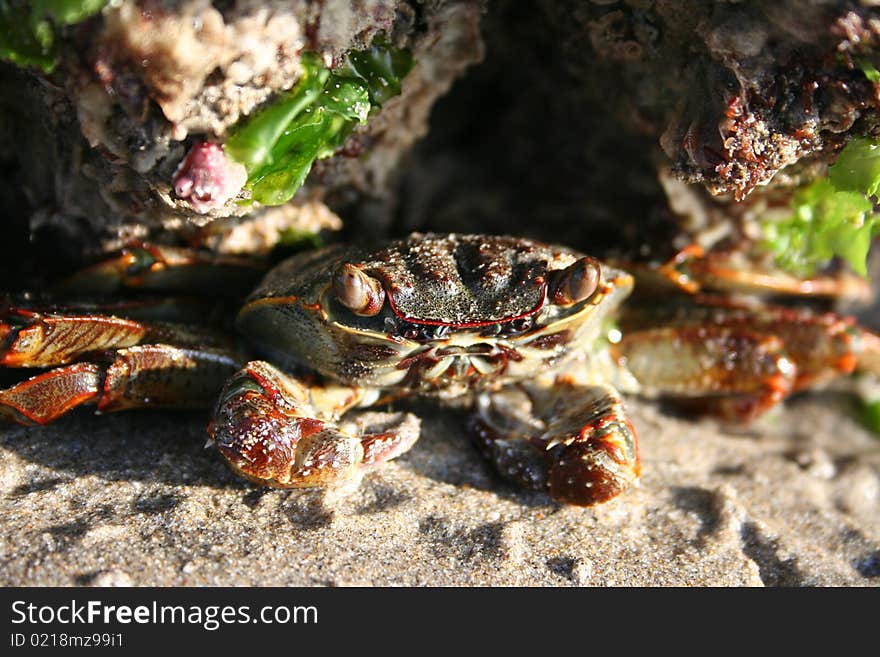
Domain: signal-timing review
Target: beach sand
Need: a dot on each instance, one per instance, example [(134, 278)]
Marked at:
[(134, 499)]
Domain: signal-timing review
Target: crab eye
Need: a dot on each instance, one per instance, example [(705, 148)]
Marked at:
[(361, 294), (575, 283)]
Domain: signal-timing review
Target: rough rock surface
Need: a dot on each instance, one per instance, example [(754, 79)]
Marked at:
[(134, 499), (739, 90), (140, 82)]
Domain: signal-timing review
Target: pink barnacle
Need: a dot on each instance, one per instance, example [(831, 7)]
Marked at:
[(206, 178)]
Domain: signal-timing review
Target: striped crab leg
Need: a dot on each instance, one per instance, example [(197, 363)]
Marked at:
[(141, 376), (287, 432), (133, 364), (36, 338)]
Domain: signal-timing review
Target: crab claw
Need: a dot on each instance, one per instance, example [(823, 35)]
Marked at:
[(278, 431), (576, 443)]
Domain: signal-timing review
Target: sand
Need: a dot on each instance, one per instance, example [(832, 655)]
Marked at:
[(135, 499)]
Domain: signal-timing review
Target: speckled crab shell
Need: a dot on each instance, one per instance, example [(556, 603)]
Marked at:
[(460, 311)]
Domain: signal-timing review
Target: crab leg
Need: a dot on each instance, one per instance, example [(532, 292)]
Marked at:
[(574, 441), (741, 362), (147, 375), (147, 266), (29, 338), (693, 269), (281, 431), (735, 374)]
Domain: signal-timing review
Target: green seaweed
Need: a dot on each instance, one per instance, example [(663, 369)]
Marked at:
[(381, 67), (831, 217), (29, 30), (871, 415), (869, 70), (279, 144)]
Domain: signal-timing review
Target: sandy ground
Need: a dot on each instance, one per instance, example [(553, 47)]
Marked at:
[(135, 499)]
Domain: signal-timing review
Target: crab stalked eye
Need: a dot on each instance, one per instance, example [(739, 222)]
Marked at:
[(361, 294), (575, 283)]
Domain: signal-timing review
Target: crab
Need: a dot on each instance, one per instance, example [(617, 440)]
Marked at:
[(516, 330)]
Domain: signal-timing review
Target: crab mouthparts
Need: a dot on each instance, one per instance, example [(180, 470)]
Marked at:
[(481, 349), (459, 362)]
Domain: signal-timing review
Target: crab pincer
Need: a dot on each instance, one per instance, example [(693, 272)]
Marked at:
[(280, 431), (575, 442)]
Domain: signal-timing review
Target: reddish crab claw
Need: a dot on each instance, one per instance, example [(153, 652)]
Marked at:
[(278, 431), (574, 442)]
